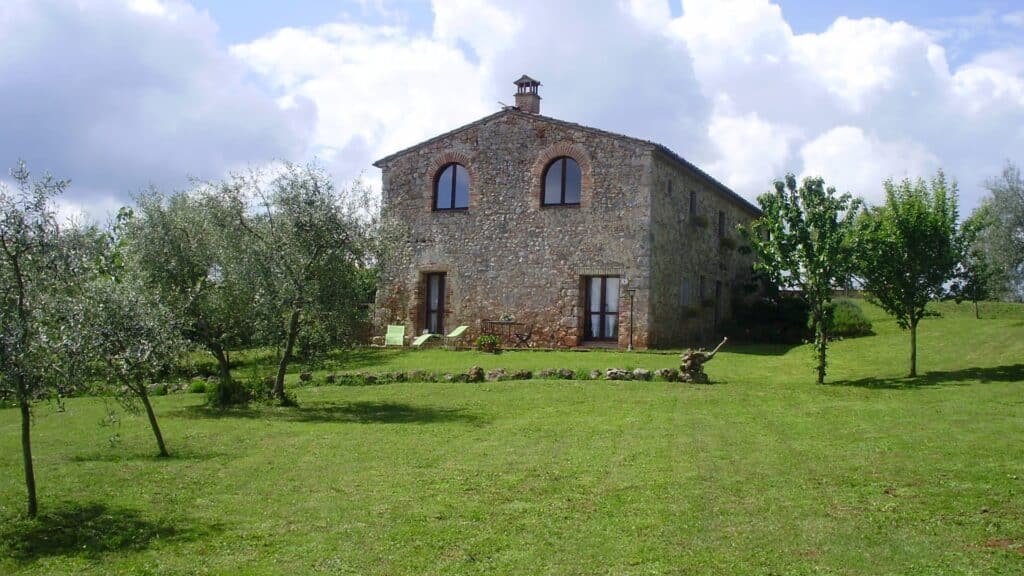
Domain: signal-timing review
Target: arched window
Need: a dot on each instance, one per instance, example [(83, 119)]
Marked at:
[(562, 182), (451, 188)]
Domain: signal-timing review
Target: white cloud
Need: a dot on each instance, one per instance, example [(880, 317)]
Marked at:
[(1014, 18), (377, 89), (117, 95), (856, 162), (751, 152)]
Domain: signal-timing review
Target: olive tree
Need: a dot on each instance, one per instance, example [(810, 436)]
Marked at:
[(131, 338), (176, 246), (310, 245), (39, 266), (802, 240), (907, 249)]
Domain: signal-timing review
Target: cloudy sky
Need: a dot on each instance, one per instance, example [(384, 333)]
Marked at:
[(117, 95)]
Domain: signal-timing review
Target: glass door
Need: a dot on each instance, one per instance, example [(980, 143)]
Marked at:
[(602, 308), (435, 303)]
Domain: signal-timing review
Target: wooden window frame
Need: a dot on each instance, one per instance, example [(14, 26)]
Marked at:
[(437, 183), (544, 182)]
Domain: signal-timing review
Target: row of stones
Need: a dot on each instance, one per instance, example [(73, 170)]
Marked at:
[(478, 374)]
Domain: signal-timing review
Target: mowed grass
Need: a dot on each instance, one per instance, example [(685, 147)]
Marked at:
[(761, 473)]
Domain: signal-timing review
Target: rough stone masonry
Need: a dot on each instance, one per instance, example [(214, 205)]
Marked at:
[(646, 217)]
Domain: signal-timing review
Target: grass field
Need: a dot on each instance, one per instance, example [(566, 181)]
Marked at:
[(762, 473)]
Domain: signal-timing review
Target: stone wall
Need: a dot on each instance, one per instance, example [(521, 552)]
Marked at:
[(687, 246), (506, 253)]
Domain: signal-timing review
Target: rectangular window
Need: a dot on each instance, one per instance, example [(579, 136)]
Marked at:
[(684, 293), (602, 307), (721, 224), (693, 203), (700, 288), (435, 303)]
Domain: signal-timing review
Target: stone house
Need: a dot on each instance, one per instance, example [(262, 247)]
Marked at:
[(582, 235)]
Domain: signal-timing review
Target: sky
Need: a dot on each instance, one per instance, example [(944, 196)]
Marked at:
[(121, 95)]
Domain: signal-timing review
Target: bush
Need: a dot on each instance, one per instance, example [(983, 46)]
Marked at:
[(488, 342), (848, 320), (197, 387)]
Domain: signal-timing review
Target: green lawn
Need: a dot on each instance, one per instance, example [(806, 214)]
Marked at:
[(762, 473)]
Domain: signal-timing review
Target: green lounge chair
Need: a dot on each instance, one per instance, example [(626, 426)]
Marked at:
[(395, 335), (454, 334), (420, 340)]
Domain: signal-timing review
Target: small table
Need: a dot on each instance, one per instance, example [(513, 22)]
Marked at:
[(507, 329)]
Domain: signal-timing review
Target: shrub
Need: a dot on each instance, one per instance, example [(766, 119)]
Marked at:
[(488, 342), (160, 390), (197, 387), (848, 320)]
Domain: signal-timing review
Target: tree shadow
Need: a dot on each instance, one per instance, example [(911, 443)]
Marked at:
[(760, 349), (117, 453), (88, 530), (348, 412), (1009, 373)]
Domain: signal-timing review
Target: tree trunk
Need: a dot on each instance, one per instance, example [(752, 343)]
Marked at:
[(913, 348), (141, 390), (820, 344), (222, 362), (977, 316), (26, 447), (286, 358)]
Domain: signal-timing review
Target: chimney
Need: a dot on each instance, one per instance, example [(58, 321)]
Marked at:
[(527, 98)]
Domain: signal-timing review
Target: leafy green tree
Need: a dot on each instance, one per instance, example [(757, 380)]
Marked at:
[(310, 245), (801, 240), (975, 278), (133, 338), (176, 246), (907, 249), (39, 265), (1001, 242)]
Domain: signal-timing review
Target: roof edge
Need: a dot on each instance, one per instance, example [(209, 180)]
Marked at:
[(743, 202)]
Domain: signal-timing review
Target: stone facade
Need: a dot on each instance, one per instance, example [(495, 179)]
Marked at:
[(507, 254)]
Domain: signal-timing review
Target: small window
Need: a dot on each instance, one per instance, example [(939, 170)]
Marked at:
[(693, 203), (684, 293), (700, 289), (451, 189), (562, 182)]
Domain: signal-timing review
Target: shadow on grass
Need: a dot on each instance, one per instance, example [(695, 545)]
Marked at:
[(1009, 373), (87, 530), (352, 412), (118, 453), (759, 349)]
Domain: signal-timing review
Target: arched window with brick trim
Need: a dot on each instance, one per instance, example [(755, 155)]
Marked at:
[(562, 182), (451, 187)]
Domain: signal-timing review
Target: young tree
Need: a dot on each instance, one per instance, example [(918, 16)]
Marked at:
[(802, 241), (133, 338), (177, 247), (309, 245), (37, 271), (975, 278), (1001, 242), (907, 249)]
